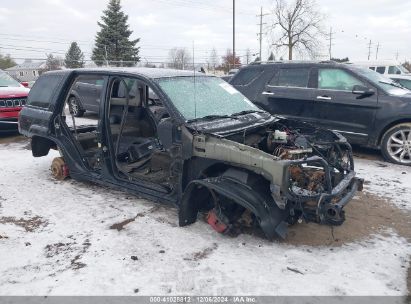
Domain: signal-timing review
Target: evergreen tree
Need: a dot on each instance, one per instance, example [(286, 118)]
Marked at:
[(6, 62), (74, 57), (113, 42), (272, 57)]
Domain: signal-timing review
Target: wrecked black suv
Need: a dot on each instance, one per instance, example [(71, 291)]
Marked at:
[(194, 141)]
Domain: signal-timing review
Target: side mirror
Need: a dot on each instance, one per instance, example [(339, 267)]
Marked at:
[(362, 91)]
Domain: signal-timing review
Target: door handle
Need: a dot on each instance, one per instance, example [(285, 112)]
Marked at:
[(324, 98), (267, 93)]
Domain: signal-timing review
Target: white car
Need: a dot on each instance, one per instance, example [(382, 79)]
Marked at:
[(387, 68)]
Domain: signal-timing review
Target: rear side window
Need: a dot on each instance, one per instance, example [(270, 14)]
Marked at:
[(246, 76), (380, 69), (43, 90), (296, 77), (91, 79), (372, 68)]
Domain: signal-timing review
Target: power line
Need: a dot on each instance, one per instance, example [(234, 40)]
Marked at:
[(55, 40), (142, 46), (199, 5)]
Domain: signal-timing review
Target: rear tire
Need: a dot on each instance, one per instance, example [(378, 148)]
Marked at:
[(396, 144), (75, 107)]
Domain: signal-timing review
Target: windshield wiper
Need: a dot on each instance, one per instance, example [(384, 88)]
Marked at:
[(211, 117), (246, 112)]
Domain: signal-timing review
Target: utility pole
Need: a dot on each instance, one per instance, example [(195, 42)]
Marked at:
[(260, 35), (369, 50), (330, 42), (234, 33), (396, 55), (376, 52)]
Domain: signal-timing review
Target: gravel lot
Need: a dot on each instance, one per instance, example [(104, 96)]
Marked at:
[(61, 238)]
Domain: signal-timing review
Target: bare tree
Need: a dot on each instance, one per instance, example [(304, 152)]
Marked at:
[(53, 63), (179, 58), (229, 62), (297, 26)]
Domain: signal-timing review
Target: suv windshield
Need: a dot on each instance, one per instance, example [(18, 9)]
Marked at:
[(7, 81), (384, 83), (200, 97)]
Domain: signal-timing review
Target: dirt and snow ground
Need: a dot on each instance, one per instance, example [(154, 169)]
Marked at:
[(61, 238)]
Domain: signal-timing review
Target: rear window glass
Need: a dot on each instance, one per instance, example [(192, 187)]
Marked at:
[(43, 90), (246, 76), (297, 77), (91, 79)]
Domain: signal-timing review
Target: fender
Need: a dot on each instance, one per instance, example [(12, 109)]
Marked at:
[(271, 218)]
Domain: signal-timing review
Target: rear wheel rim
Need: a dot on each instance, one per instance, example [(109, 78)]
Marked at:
[(399, 146)]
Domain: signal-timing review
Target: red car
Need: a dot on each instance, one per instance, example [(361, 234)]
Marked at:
[(13, 97)]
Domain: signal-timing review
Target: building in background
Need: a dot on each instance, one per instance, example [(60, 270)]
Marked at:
[(27, 71)]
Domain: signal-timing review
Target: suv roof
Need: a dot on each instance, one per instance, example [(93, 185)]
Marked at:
[(146, 72), (294, 62)]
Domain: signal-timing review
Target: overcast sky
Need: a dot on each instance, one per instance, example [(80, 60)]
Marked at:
[(29, 29)]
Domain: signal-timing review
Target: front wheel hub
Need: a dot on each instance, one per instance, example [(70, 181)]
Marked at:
[(59, 169)]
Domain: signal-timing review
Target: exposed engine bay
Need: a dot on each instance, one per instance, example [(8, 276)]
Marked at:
[(292, 140), (314, 174)]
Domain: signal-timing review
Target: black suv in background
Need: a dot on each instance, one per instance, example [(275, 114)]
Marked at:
[(366, 107)]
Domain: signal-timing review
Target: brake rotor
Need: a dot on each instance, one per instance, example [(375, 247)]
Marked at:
[(59, 169)]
